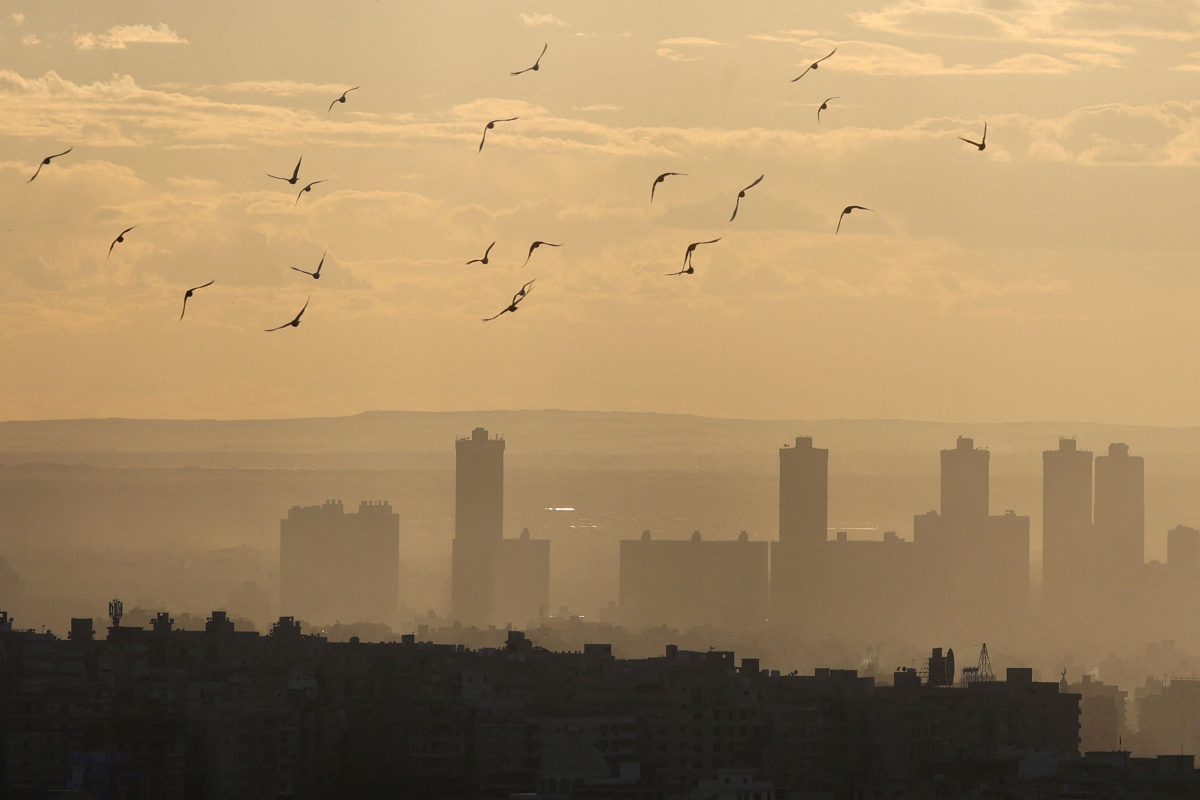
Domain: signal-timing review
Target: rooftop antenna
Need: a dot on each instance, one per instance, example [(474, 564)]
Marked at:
[(985, 665), (116, 610)]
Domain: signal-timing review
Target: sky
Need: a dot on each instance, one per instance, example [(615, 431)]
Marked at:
[(1052, 276)]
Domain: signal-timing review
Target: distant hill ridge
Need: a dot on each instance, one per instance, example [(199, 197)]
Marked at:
[(558, 432)]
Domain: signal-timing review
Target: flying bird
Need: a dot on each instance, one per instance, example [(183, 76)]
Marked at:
[(120, 238), (341, 99), (846, 211), (825, 106), (47, 160), (489, 126), (316, 275), (305, 189), (189, 293), (813, 65), (517, 298), (294, 323), (982, 143), (484, 260), (659, 180), (535, 246), (687, 257), (295, 174), (742, 194), (537, 64)]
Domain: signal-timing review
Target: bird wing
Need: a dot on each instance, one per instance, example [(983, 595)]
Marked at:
[(710, 241), (475, 261), (831, 52), (296, 171), (127, 230), (669, 274), (514, 73), (281, 327), (63, 153), (801, 75), (204, 286), (331, 105), (985, 131), (39, 171), (276, 177), (185, 299), (306, 302), (502, 313), (111, 246), (301, 270), (736, 203), (839, 225), (489, 249), (968, 141), (551, 244), (318, 272), (539, 58), (756, 183), (484, 139), (352, 88)]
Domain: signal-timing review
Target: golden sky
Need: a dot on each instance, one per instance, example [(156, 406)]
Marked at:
[(1053, 276)]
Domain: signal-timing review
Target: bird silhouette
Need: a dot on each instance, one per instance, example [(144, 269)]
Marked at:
[(659, 180), (537, 64), (846, 211), (982, 143), (813, 65), (47, 160), (488, 127), (687, 257), (295, 174), (484, 260), (341, 99), (516, 300), (120, 238), (742, 194), (316, 275), (305, 189), (825, 106), (295, 323), (189, 293), (535, 246)]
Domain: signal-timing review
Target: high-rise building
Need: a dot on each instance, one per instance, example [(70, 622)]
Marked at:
[(803, 492), (493, 579), (1067, 541), (1183, 553), (965, 481), (796, 573), (478, 526), (335, 566), (1120, 510)]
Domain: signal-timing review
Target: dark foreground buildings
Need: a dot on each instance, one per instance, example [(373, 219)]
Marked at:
[(162, 713)]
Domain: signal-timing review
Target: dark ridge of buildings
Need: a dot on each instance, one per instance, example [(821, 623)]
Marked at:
[(218, 713), (694, 582), (339, 566), (493, 579)]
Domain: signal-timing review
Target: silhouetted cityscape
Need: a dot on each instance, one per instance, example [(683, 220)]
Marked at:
[(504, 698)]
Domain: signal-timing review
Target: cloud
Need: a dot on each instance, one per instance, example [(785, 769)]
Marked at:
[(598, 107), (695, 41), (875, 58), (119, 37), (281, 88), (535, 20), (18, 18), (671, 55), (1072, 23), (30, 39)]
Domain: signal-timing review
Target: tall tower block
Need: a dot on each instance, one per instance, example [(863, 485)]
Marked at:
[(803, 493), (478, 526), (1120, 510), (1066, 524), (965, 472)]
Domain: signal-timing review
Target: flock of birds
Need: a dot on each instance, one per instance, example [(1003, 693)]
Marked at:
[(524, 291)]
